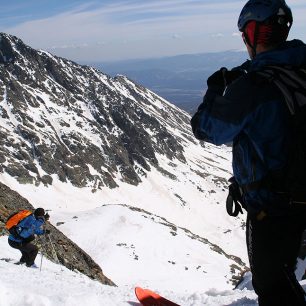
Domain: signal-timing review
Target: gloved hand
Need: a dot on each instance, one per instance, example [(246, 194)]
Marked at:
[(47, 232), (46, 216), (234, 201), (232, 75), (218, 81)]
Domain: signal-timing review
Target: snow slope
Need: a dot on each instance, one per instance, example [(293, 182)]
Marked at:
[(57, 286), (132, 245)]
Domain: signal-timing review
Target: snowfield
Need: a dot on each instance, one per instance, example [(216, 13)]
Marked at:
[(55, 285), (133, 246)]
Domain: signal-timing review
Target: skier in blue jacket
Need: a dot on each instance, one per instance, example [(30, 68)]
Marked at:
[(240, 109), (25, 233)]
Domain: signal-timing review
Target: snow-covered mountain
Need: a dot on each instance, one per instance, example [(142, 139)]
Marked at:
[(120, 171), (80, 124)]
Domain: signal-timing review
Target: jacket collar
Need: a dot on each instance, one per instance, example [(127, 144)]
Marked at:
[(291, 53)]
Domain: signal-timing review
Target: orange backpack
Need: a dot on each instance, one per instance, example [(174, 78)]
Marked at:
[(15, 218)]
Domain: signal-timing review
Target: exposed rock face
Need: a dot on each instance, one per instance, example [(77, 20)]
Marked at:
[(65, 251), (58, 118)]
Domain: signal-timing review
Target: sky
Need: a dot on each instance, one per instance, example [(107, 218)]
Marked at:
[(112, 30)]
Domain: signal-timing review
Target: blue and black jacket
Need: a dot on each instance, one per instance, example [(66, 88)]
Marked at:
[(27, 228), (253, 116)]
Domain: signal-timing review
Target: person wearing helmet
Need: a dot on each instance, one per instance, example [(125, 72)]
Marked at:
[(264, 24), (252, 114), (25, 233)]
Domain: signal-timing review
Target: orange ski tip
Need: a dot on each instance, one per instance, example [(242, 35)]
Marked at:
[(148, 297)]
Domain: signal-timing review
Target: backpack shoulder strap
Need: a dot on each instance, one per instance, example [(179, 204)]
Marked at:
[(290, 81)]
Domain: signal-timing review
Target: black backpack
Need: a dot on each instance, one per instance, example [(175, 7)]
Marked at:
[(292, 84)]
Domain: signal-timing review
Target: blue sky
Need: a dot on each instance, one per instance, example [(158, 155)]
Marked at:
[(109, 30)]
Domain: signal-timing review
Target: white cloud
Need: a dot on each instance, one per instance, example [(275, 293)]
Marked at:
[(176, 36), (72, 46), (217, 35)]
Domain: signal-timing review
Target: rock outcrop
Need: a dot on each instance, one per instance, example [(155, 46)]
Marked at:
[(61, 249)]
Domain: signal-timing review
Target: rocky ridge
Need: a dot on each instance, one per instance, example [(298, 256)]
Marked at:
[(60, 119)]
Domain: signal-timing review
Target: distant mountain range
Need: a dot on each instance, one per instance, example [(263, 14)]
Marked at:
[(179, 79)]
